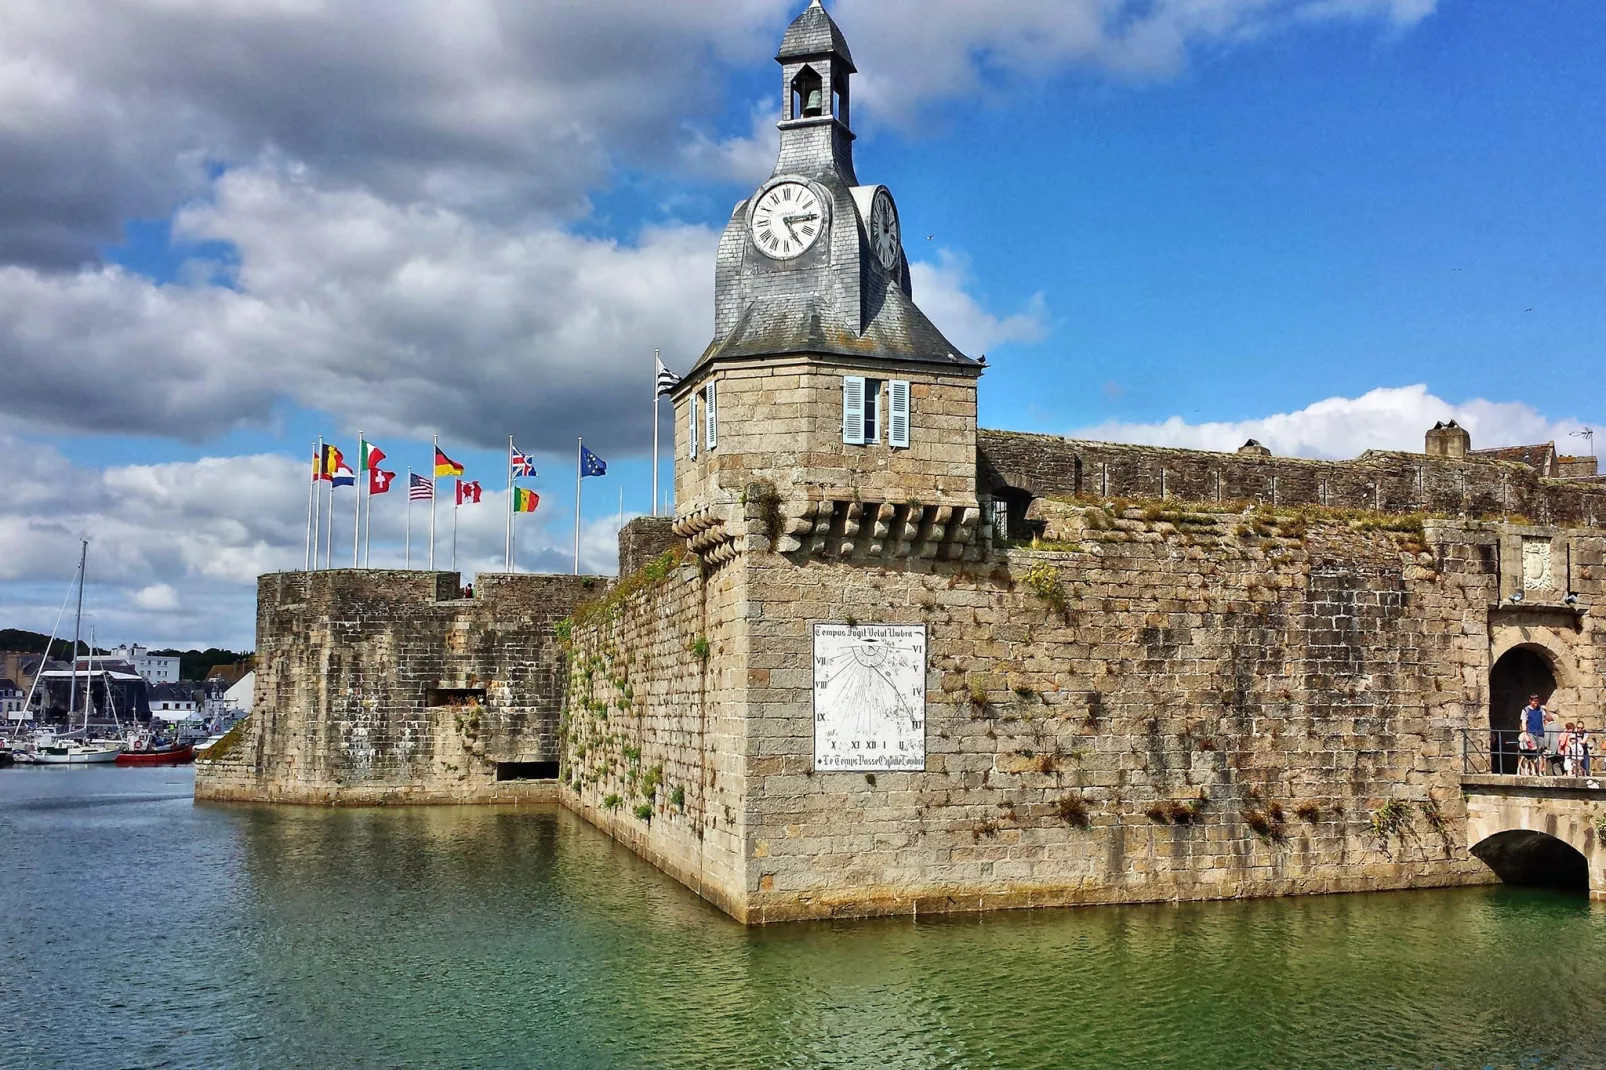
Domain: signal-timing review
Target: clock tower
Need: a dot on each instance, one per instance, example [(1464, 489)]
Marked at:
[(825, 385)]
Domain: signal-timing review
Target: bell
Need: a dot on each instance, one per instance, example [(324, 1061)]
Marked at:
[(813, 105)]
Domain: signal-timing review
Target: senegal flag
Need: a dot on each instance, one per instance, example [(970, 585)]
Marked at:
[(525, 501), (445, 466)]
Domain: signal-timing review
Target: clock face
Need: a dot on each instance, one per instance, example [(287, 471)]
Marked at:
[(886, 238), (787, 220)]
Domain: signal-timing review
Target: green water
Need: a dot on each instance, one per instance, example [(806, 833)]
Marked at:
[(145, 931)]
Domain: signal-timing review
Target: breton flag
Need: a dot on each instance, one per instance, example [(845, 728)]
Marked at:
[(420, 489), (379, 482), (591, 464), (525, 501), (445, 466), (667, 380), (371, 456), (523, 465), (468, 493)]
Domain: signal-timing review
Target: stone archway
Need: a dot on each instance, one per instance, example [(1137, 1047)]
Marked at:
[(1520, 672), (1535, 859)]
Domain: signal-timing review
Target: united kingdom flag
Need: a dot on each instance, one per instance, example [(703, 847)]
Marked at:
[(522, 464)]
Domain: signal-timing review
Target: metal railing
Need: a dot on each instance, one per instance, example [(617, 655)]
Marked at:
[(1498, 751)]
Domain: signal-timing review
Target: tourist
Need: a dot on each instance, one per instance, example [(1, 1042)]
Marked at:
[(1527, 754), (1532, 721), (1575, 749), (1552, 741)]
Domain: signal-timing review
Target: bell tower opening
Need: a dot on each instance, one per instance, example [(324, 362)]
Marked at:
[(808, 98)]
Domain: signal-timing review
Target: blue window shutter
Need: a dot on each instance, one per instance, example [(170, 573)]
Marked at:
[(853, 410), (691, 422), (898, 414), (713, 433)]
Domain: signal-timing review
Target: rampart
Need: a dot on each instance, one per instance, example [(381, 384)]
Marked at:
[(393, 686), (1168, 702), (1015, 467)]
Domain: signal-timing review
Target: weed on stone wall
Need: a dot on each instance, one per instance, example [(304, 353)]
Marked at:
[(1308, 812), (1043, 580), (1391, 819), (1072, 809)]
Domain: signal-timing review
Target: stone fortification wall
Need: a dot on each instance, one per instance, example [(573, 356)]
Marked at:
[(1047, 465), (391, 686), (653, 733), (1170, 709)]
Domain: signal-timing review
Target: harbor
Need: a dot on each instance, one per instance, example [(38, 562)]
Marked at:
[(186, 935)]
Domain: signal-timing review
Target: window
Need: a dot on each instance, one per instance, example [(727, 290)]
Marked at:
[(691, 423), (861, 410), (526, 770), (713, 437), (898, 414)]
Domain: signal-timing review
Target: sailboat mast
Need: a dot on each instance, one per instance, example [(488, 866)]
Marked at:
[(78, 623)]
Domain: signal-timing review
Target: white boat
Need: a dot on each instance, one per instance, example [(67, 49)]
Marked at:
[(72, 752)]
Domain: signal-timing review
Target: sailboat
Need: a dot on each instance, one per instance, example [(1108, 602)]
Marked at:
[(63, 750)]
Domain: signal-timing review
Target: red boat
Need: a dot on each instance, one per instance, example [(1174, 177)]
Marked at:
[(173, 755)]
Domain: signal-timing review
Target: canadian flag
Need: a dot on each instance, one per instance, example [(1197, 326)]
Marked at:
[(468, 493)]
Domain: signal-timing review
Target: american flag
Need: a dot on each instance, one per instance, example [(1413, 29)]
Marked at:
[(523, 466), (420, 489)]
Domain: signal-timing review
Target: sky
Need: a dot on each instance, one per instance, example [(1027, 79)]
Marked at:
[(230, 227)]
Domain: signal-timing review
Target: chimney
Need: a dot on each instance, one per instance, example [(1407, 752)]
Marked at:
[(1253, 448), (1448, 440)]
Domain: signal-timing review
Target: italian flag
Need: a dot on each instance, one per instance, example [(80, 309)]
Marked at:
[(371, 456)]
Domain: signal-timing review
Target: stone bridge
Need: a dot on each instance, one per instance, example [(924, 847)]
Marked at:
[(1538, 830)]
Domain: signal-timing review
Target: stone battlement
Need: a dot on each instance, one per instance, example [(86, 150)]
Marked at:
[(1016, 467)]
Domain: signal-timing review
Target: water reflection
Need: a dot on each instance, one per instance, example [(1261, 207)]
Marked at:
[(489, 937)]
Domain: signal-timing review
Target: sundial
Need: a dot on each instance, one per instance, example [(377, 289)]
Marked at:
[(870, 697)]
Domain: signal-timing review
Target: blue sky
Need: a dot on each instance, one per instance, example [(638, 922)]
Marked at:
[(1325, 224)]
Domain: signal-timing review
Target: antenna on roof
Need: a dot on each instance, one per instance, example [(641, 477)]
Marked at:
[(1588, 435)]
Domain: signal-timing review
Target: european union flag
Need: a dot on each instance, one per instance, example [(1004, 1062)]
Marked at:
[(591, 464)]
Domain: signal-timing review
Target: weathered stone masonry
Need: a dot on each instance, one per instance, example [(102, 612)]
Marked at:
[(388, 687), (1180, 704)]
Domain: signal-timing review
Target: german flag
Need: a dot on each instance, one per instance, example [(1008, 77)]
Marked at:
[(445, 466)]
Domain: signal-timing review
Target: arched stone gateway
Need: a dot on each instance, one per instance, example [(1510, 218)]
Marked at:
[(1548, 836), (1520, 672)]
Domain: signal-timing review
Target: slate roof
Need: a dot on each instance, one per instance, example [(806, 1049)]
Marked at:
[(7, 685), (1539, 456), (170, 693), (813, 33), (806, 324)]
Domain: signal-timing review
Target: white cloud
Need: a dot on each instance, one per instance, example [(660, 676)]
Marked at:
[(1388, 418), (158, 596), (175, 549), (940, 291), (916, 52)]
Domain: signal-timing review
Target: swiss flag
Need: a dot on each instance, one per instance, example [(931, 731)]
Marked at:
[(468, 493), (379, 482)]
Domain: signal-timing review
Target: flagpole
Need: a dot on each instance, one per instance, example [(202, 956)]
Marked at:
[(368, 527), (509, 564), (434, 480), (407, 538), (311, 484), (579, 474), (456, 502), (329, 527), (312, 503), (356, 507), (657, 359)]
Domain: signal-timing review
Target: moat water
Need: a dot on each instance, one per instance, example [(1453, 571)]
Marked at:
[(142, 930)]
